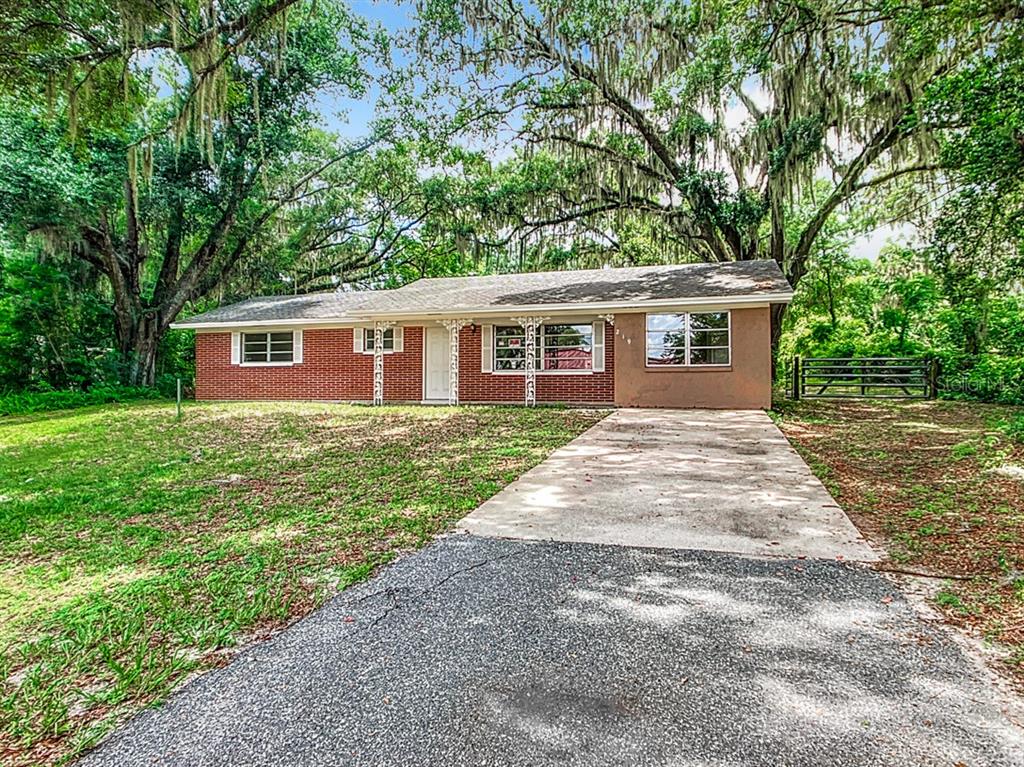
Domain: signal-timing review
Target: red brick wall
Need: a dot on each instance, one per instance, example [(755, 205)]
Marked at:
[(475, 386), (329, 370)]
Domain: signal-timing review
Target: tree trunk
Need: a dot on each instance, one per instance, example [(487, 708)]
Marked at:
[(778, 311), (139, 342), (831, 299), (794, 268)]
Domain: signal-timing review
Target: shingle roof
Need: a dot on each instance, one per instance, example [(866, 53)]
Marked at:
[(465, 295), (312, 306)]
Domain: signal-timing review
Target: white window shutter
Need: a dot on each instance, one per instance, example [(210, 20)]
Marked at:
[(486, 348), (296, 346), (357, 340), (236, 348), (399, 339), (598, 354)]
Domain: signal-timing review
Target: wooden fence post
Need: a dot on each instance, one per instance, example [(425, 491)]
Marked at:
[(796, 376), (933, 379)]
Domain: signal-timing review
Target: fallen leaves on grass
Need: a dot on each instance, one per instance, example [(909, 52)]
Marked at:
[(922, 481)]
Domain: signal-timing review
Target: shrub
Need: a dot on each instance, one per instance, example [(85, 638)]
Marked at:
[(989, 378), (39, 401)]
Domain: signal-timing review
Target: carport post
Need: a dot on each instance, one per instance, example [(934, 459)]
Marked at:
[(453, 327), (530, 326), (378, 360)]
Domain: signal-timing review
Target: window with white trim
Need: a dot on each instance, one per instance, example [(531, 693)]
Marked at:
[(510, 348), (692, 339), (268, 347), (557, 347), (387, 344), (567, 347)]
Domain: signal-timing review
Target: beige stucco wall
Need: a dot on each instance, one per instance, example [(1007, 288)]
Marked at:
[(746, 383)]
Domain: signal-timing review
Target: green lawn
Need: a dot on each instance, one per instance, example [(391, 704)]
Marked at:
[(136, 549)]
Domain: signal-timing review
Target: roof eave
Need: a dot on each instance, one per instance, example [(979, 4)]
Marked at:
[(724, 302)]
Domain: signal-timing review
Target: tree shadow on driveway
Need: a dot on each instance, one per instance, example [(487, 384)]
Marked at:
[(483, 651)]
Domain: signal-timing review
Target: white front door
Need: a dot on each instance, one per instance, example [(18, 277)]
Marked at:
[(435, 364)]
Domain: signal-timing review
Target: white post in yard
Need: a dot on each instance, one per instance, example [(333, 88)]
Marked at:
[(378, 361), (453, 326), (530, 325)]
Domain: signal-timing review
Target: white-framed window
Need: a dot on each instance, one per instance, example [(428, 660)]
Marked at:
[(369, 339), (268, 348), (567, 347), (510, 348), (564, 347), (363, 340), (689, 340)]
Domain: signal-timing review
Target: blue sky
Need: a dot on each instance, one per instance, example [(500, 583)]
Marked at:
[(351, 117)]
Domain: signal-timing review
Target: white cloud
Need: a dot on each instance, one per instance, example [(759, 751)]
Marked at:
[(868, 245), (736, 114)]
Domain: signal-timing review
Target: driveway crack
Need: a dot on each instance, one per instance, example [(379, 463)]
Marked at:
[(393, 592)]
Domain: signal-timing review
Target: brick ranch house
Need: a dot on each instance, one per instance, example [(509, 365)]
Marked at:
[(694, 335)]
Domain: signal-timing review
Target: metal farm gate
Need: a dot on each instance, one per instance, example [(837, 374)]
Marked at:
[(869, 377)]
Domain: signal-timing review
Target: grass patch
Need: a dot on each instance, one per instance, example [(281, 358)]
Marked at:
[(1013, 427), (136, 550), (940, 486), (951, 600)]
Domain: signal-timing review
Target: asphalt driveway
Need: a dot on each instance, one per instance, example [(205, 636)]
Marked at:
[(487, 652), (716, 480)]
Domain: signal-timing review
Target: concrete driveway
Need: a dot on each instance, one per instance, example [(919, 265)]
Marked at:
[(678, 479), (479, 651)]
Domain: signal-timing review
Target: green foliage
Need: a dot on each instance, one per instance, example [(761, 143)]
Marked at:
[(99, 64), (896, 307), (150, 221), (864, 309), (177, 359), (801, 141), (989, 376), (983, 99), (950, 600), (662, 132), (40, 401), (1014, 428), (55, 325)]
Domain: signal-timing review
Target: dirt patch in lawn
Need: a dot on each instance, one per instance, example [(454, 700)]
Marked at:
[(936, 485)]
